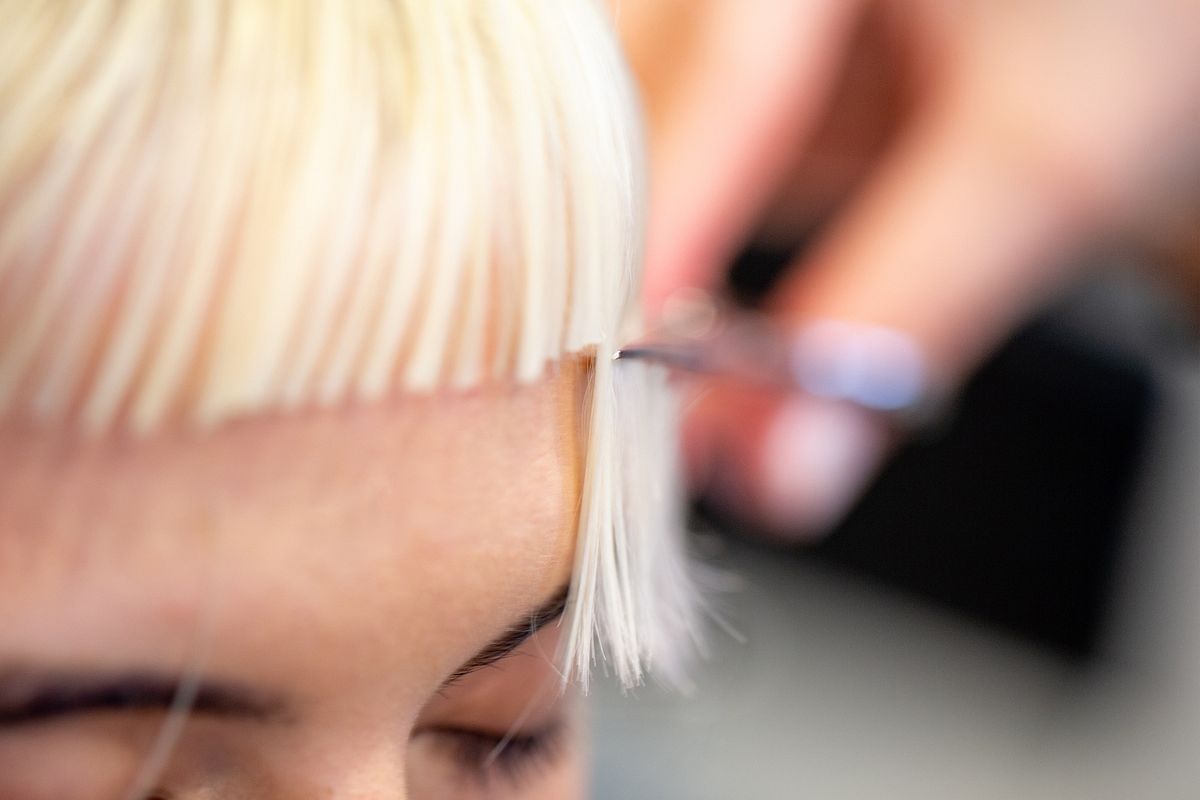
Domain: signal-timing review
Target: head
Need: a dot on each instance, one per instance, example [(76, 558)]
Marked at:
[(318, 476)]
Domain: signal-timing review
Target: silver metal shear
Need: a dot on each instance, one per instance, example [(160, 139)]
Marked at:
[(875, 368)]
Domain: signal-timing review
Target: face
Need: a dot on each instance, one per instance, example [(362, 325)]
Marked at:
[(360, 603)]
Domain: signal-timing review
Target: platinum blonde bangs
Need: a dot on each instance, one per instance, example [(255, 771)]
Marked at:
[(219, 208)]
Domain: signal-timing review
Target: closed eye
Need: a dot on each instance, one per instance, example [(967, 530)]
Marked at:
[(514, 758)]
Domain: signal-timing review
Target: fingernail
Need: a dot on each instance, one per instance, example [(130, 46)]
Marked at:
[(817, 457)]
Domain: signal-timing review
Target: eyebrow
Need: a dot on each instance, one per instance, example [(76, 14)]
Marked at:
[(30, 696), (503, 645)]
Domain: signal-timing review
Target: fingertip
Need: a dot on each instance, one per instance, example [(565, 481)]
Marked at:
[(787, 467), (816, 458)]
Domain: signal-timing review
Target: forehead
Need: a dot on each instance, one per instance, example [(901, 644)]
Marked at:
[(404, 528)]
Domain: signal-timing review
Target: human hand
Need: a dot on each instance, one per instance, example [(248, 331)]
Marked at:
[(1028, 130)]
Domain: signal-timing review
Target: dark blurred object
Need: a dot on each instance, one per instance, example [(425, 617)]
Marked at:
[(1172, 241), (1014, 511)]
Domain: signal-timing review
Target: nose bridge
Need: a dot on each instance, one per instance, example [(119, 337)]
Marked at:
[(384, 786), (392, 789), (367, 774)]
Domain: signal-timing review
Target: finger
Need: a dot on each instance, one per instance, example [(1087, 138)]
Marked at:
[(963, 232), (723, 130), (826, 452)]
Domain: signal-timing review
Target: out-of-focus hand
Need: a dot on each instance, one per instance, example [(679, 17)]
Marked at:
[(1027, 129)]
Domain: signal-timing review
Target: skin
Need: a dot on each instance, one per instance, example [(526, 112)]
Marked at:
[(958, 158), (339, 564)]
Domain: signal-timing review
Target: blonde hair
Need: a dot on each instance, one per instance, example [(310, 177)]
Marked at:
[(216, 208)]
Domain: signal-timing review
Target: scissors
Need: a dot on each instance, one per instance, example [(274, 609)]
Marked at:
[(878, 369)]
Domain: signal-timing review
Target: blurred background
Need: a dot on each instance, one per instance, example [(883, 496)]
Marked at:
[(1013, 609)]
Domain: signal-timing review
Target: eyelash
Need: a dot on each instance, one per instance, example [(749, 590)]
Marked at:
[(521, 758)]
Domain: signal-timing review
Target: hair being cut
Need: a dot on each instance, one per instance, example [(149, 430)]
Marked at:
[(218, 208)]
